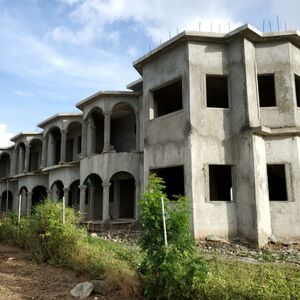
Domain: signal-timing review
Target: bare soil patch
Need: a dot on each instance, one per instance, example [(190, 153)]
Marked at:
[(22, 278)]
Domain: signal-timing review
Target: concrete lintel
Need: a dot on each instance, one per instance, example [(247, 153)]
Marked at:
[(267, 131)]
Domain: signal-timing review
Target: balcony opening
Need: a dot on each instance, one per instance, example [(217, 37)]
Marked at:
[(6, 201), (216, 91), (220, 183), (167, 99), (174, 180), (4, 165), (54, 146), (74, 195), (122, 196), (72, 146), (122, 133), (35, 156), (96, 132), (39, 194), (277, 183), (266, 89)]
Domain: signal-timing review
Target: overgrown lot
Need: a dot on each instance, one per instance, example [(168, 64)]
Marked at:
[(67, 245)]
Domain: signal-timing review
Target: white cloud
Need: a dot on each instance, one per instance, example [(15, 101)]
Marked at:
[(5, 136), (156, 18)]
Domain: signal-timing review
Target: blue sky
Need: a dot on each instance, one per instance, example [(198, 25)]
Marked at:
[(54, 53)]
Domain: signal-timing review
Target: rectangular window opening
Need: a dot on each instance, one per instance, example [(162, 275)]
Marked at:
[(220, 183), (277, 183), (266, 90), (174, 180), (297, 85), (168, 99), (217, 91)]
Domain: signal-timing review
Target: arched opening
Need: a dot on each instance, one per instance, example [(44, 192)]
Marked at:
[(39, 194), (24, 196), (73, 145), (6, 201), (123, 128), (21, 149), (54, 146), (122, 196), (35, 157), (57, 190), (96, 132), (74, 195), (4, 165), (94, 197)]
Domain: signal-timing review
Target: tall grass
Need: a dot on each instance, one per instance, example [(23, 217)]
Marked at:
[(67, 245)]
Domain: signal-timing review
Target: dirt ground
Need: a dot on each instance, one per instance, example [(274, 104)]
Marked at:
[(21, 278)]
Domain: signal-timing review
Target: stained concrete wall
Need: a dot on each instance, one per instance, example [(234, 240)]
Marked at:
[(285, 214)]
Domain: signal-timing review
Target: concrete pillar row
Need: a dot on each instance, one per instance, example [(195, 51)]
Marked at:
[(91, 201), (105, 208), (63, 146), (27, 156), (45, 151), (107, 147), (84, 138), (82, 201), (66, 195), (29, 203)]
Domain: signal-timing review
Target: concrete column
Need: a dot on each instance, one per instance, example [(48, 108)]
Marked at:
[(107, 132), (137, 132), (105, 199), (45, 152), (29, 203), (91, 201), (84, 138), (82, 201), (63, 146), (27, 156), (66, 195), (20, 160)]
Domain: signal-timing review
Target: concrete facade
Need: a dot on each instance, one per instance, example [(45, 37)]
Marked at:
[(218, 115)]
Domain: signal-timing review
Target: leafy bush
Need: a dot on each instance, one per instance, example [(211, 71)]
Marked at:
[(176, 271)]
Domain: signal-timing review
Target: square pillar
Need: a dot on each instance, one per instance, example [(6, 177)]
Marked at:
[(106, 147), (82, 201), (105, 208), (63, 146), (27, 156), (29, 203), (45, 151)]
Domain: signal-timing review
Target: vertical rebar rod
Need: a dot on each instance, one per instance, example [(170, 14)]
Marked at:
[(164, 221)]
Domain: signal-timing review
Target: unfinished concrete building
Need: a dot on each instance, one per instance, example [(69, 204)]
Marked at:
[(216, 115)]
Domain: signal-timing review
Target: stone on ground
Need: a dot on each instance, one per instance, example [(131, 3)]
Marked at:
[(82, 290)]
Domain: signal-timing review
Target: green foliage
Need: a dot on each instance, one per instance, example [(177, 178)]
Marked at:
[(176, 271)]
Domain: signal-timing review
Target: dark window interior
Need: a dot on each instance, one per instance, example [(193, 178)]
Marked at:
[(69, 150), (277, 182), (266, 89), (79, 144), (57, 152), (217, 91), (174, 180), (168, 99), (297, 84), (220, 182)]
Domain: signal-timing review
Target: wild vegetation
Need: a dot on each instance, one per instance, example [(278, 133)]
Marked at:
[(149, 269)]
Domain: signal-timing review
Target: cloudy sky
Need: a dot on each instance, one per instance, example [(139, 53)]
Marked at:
[(54, 53)]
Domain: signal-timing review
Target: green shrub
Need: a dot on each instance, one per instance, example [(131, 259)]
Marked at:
[(176, 271)]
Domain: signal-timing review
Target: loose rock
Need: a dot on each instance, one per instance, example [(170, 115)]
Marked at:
[(99, 286), (82, 290)]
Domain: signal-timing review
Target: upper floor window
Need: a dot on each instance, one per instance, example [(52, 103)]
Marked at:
[(266, 90), (167, 99), (217, 91), (297, 85)]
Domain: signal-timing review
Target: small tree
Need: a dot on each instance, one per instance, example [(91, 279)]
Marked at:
[(176, 271)]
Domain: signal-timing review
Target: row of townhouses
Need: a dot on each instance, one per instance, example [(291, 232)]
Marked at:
[(217, 116)]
